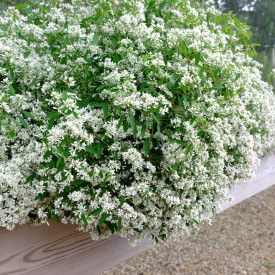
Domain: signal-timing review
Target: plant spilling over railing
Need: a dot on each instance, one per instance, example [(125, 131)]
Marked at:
[(125, 116)]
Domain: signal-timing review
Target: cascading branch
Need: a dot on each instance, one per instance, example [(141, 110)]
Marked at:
[(125, 116)]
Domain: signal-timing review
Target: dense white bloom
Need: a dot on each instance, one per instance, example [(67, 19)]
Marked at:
[(135, 118)]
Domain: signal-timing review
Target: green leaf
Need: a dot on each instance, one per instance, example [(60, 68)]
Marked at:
[(145, 58), (66, 41), (135, 132), (28, 114), (12, 90), (55, 216), (160, 81), (99, 88), (147, 41), (133, 125), (47, 154), (165, 203), (237, 76), (90, 150), (214, 210), (125, 126), (61, 151), (77, 182), (200, 133), (116, 58), (178, 148), (11, 134), (30, 178), (110, 226), (119, 224), (143, 129), (97, 211), (51, 123), (156, 118), (137, 230), (98, 230), (49, 215), (97, 104), (217, 157), (106, 110), (23, 122), (58, 162), (12, 74), (182, 142), (152, 2), (175, 166), (101, 174), (64, 95), (99, 19), (188, 149), (32, 83), (158, 128), (197, 59), (147, 146), (99, 150), (201, 72), (103, 218), (20, 7), (6, 27), (121, 121), (239, 90), (84, 219), (114, 42), (162, 4), (13, 120), (95, 39), (105, 181), (53, 114), (26, 54), (122, 200)]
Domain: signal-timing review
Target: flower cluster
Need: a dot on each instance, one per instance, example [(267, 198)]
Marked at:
[(127, 116)]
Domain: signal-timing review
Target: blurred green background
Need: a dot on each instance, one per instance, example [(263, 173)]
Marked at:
[(5, 3), (259, 14)]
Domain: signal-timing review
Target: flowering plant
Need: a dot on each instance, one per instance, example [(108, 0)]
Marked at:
[(127, 116)]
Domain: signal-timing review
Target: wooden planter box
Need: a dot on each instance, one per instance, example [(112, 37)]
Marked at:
[(61, 249)]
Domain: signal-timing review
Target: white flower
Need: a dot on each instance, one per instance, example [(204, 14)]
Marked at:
[(76, 196), (142, 120)]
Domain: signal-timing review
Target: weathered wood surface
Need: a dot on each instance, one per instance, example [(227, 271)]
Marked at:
[(60, 249)]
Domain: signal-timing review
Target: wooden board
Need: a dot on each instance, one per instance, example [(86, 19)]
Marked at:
[(60, 249)]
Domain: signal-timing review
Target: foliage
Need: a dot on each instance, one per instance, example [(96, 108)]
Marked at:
[(259, 15), (130, 116)]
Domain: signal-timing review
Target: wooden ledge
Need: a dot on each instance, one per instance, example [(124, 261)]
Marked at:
[(60, 249)]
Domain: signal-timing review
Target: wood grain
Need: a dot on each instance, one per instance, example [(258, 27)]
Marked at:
[(61, 249)]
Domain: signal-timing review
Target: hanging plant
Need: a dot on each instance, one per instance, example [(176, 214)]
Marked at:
[(129, 117)]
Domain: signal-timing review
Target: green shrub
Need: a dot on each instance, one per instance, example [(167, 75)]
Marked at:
[(130, 116)]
